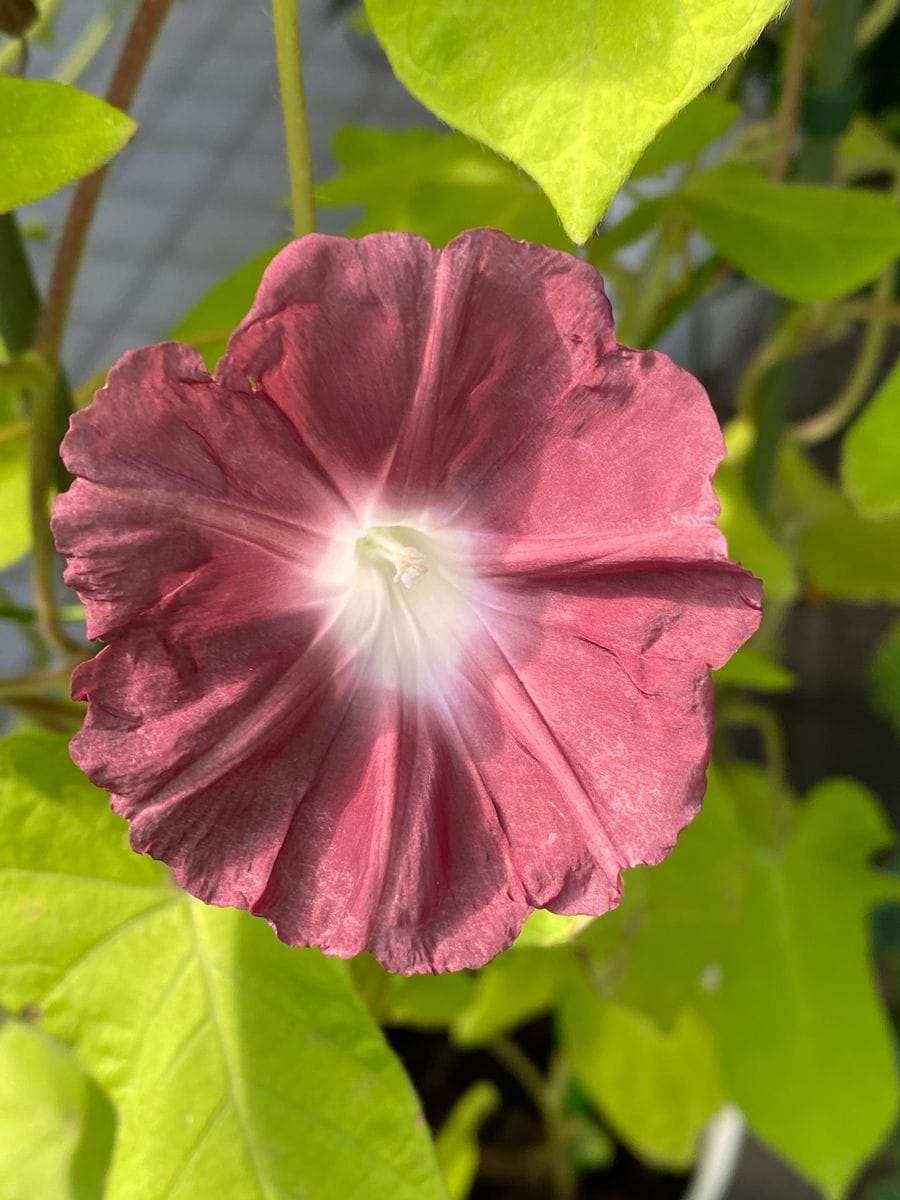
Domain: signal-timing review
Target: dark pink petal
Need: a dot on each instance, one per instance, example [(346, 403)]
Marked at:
[(170, 486), (420, 372)]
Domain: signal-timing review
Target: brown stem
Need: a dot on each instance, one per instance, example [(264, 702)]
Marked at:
[(129, 70), (788, 115)]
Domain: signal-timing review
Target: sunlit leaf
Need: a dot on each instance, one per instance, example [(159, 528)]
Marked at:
[(804, 242), (50, 135), (15, 530), (240, 1067), (545, 928), (571, 94), (56, 1127)]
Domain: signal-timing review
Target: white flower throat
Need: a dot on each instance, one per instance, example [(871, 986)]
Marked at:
[(403, 598), (384, 545)]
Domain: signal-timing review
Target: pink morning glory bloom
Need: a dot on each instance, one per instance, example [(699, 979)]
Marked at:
[(409, 611)]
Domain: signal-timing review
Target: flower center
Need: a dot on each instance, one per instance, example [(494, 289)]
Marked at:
[(403, 600), (384, 545)]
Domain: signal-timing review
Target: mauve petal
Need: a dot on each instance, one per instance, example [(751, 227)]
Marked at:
[(396, 847), (336, 337), (413, 374), (622, 463), (596, 758), (170, 491)]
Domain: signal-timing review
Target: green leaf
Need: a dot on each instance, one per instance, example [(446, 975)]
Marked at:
[(52, 134), (805, 1042), (855, 559), (870, 465), (751, 669), (516, 987), (703, 121), (884, 676), (15, 529), (240, 1067), (807, 243), (656, 1089), (643, 218), (435, 184), (56, 1127), (210, 323), (844, 554), (572, 95), (864, 150), (457, 1141), (749, 541), (545, 928), (427, 1001), (663, 947)]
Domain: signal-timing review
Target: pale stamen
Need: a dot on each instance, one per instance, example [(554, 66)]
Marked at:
[(409, 563)]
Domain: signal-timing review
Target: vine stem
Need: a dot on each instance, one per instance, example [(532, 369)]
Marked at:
[(286, 27), (128, 73), (546, 1095), (44, 441), (788, 115), (831, 419)]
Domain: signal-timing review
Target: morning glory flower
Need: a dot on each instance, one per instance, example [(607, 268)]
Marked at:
[(409, 610)]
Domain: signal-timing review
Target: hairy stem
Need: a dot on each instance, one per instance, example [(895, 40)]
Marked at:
[(788, 114), (286, 27), (128, 73)]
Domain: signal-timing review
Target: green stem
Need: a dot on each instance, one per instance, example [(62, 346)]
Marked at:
[(875, 21), (831, 69), (834, 417), (767, 725), (286, 27), (833, 61), (547, 1097), (9, 55), (43, 552), (89, 44)]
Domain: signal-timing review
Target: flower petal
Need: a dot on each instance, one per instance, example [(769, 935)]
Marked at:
[(414, 374), (170, 489), (596, 756)]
